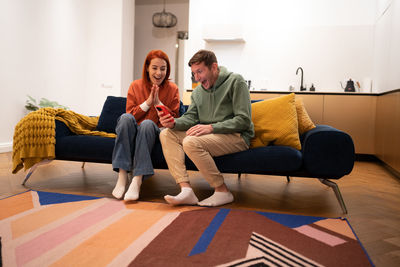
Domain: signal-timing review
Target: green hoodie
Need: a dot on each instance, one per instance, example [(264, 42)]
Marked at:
[(226, 106)]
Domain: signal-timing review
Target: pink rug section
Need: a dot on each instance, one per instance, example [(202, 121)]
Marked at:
[(46, 241), (321, 236)]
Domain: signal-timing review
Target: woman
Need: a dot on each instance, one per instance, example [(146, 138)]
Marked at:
[(138, 128)]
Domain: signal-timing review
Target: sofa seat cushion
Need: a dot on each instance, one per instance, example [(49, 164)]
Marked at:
[(261, 160), (85, 148)]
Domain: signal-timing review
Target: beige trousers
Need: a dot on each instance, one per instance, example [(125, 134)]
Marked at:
[(200, 149)]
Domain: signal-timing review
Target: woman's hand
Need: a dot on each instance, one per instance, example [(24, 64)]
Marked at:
[(150, 99), (153, 97), (200, 129), (156, 99)]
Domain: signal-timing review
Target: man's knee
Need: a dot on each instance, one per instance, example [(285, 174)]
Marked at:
[(190, 143), (164, 135), (168, 136)]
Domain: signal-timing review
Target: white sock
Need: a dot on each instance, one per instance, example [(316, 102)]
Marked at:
[(217, 199), (119, 188), (186, 196), (134, 188)]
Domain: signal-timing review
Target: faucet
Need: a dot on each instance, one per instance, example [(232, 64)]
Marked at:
[(301, 85)]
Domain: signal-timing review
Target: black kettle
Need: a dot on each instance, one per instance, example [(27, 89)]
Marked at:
[(349, 86)]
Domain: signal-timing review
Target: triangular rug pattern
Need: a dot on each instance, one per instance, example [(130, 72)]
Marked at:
[(47, 198)]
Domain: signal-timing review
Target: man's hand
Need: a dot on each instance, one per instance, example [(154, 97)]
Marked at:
[(200, 129), (166, 120)]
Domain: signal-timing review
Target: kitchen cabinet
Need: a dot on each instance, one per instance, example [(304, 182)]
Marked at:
[(355, 115), (313, 104), (387, 143), (351, 113)]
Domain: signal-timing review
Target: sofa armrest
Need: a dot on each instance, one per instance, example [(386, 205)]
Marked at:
[(327, 152), (62, 130)]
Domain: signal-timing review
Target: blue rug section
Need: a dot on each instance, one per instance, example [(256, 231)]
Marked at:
[(47, 198), (291, 221), (209, 232)]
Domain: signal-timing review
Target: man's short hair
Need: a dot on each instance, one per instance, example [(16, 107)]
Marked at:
[(206, 56)]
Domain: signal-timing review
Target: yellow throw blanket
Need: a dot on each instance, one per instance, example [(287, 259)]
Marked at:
[(35, 135)]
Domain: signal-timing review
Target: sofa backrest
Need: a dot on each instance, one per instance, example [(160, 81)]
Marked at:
[(113, 108)]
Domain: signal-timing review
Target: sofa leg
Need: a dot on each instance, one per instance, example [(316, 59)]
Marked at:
[(33, 168), (335, 188), (288, 179), (83, 165)]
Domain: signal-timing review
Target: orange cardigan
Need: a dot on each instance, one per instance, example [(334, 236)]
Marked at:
[(138, 93)]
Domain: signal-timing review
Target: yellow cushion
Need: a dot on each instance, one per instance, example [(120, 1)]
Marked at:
[(304, 121), (275, 121)]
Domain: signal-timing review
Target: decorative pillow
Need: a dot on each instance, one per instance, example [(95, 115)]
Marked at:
[(304, 121), (275, 121), (113, 108)]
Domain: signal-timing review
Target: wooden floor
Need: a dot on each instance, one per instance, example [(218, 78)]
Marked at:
[(371, 194)]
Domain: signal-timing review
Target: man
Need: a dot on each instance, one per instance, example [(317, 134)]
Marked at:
[(217, 122)]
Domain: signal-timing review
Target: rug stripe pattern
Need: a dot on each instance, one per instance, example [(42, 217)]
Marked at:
[(209, 233), (268, 251), (50, 229)]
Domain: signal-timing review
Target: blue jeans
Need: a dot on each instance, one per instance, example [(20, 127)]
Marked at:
[(133, 145)]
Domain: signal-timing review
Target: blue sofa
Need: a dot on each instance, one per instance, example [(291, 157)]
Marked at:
[(327, 153)]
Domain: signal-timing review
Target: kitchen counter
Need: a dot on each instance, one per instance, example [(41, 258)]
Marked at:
[(308, 92), (311, 92)]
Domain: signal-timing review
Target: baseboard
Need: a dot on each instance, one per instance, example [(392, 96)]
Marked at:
[(5, 147), (366, 157), (391, 170), (373, 158)]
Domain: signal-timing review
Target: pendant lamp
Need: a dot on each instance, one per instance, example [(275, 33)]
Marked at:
[(164, 19)]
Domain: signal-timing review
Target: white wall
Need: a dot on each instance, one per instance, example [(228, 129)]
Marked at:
[(387, 46), (69, 51), (148, 37), (128, 45), (332, 40)]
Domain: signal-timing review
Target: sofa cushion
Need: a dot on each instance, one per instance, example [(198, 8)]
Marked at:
[(113, 108), (86, 148), (275, 121), (261, 160), (304, 121)]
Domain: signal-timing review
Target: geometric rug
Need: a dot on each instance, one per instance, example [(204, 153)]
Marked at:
[(51, 229)]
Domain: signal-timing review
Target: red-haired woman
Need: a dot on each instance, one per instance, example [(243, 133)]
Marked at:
[(138, 129)]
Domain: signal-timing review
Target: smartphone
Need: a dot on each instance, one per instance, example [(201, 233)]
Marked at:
[(164, 110)]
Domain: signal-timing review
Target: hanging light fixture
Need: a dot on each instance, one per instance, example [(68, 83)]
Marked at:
[(164, 19)]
